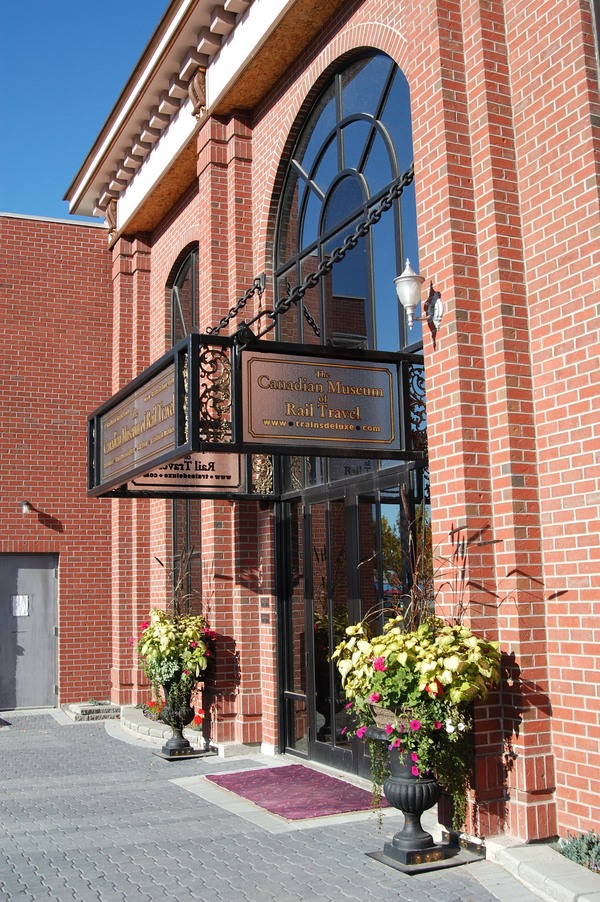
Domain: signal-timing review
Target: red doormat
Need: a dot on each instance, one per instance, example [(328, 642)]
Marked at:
[(295, 792)]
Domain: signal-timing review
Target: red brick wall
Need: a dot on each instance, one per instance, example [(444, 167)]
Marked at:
[(55, 352), (503, 100), (557, 144), (507, 185)]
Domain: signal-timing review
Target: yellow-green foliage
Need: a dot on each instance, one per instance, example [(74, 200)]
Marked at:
[(432, 656), (172, 647)]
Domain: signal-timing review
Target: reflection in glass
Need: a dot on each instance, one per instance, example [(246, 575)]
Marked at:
[(397, 122), (296, 716), (327, 168), (346, 295), (346, 198), (378, 169), (395, 552), (296, 676), (363, 84), (319, 124), (368, 566), (330, 617), (355, 138)]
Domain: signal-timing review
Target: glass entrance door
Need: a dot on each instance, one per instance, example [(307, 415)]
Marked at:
[(346, 561), (330, 607)]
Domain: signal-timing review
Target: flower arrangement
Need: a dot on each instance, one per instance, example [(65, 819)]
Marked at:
[(416, 686), (174, 652), (153, 709)]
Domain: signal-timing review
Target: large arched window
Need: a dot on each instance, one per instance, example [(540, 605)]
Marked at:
[(356, 141)]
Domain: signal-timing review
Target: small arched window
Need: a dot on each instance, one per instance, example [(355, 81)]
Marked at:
[(186, 522), (184, 298)]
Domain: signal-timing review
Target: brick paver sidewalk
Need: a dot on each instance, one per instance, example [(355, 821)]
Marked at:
[(88, 816)]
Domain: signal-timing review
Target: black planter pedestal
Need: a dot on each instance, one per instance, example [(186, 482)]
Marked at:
[(412, 850), (177, 716), (178, 747)]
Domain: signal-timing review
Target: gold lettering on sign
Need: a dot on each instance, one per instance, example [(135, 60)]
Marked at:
[(158, 414), (294, 397)]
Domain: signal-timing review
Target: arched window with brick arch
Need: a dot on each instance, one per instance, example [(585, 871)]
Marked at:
[(355, 142), (182, 287)]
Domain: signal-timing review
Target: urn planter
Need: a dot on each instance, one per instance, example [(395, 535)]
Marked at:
[(177, 714), (413, 849)]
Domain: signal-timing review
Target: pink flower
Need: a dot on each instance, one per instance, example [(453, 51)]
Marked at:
[(389, 728), (415, 771), (437, 725), (193, 645), (343, 730), (349, 705), (375, 697), (395, 744), (130, 641), (415, 724), (414, 757), (361, 732), (379, 664), (144, 625), (186, 672)]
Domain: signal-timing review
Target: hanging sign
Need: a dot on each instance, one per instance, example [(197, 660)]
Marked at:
[(209, 412), (195, 474), (321, 402), (140, 428), (148, 423)]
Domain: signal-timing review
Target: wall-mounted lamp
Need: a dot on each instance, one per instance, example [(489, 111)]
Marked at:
[(26, 507), (408, 289)]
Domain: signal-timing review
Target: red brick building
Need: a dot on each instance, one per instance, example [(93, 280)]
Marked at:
[(55, 557), (253, 137)]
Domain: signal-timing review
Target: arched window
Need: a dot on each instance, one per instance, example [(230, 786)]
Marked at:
[(184, 298), (356, 141), (186, 548)]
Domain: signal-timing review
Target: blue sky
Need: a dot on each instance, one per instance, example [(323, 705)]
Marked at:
[(63, 64)]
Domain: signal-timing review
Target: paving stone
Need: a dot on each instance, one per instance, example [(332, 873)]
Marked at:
[(93, 818)]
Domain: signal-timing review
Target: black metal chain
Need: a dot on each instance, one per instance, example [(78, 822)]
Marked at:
[(257, 287), (296, 294)]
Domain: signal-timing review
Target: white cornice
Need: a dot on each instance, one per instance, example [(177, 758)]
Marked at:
[(121, 117), (153, 119)]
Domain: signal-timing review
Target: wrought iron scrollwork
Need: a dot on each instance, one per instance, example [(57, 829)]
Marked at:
[(215, 395), (418, 411), (186, 424), (262, 474)]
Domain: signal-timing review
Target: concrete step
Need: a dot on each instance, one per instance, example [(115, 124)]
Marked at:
[(92, 711)]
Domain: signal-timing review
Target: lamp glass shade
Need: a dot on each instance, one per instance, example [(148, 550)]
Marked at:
[(408, 289)]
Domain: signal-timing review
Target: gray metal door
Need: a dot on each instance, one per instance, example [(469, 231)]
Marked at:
[(28, 619)]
